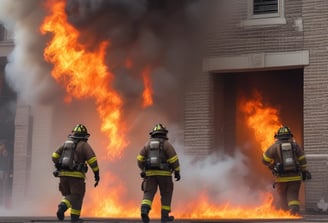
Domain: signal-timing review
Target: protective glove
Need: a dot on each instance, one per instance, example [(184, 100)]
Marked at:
[(57, 166), (55, 173), (177, 175), (306, 175), (97, 178), (142, 174)]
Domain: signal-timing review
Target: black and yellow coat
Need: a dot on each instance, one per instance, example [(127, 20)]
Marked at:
[(272, 156), (84, 153), (170, 155)]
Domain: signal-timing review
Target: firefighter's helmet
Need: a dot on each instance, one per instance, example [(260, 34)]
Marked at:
[(80, 132), (158, 131), (283, 133)]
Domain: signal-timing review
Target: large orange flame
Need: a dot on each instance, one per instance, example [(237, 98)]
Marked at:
[(84, 73), (262, 119)]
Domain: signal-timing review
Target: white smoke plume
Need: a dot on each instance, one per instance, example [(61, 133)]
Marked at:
[(26, 71)]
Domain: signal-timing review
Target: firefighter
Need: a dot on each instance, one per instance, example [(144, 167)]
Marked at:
[(157, 161), (71, 161), (286, 159)]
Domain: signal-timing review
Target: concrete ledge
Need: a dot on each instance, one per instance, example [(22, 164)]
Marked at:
[(256, 61), (306, 219)]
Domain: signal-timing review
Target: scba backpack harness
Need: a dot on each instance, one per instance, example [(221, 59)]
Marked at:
[(288, 158), (156, 155), (69, 159)]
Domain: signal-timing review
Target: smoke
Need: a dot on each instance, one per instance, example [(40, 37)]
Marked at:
[(158, 34), (26, 71), (163, 34)]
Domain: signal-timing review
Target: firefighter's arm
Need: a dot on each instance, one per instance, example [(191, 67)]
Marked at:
[(92, 162), (268, 157), (268, 161), (55, 157), (173, 161), (141, 161), (141, 158), (301, 157), (306, 175)]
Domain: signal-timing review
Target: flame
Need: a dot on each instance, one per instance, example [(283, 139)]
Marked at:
[(148, 91), (107, 200), (263, 120), (205, 209), (84, 73)]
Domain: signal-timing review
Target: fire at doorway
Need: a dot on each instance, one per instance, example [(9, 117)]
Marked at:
[(275, 95)]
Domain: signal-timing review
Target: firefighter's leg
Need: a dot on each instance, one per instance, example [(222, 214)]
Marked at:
[(282, 193), (150, 188), (62, 207), (292, 197), (78, 191), (65, 202), (166, 189)]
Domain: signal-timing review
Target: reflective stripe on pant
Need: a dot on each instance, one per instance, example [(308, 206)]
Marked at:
[(165, 185), (73, 189), (288, 194)]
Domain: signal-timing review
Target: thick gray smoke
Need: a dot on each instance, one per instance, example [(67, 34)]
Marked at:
[(164, 34)]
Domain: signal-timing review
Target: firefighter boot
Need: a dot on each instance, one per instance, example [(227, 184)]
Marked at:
[(76, 218), (165, 216), (294, 210), (61, 211), (144, 213)]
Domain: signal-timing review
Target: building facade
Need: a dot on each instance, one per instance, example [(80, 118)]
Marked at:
[(280, 48)]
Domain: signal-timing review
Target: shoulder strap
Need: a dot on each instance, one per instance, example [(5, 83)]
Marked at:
[(279, 151)]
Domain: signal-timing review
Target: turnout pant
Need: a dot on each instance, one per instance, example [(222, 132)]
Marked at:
[(73, 190), (165, 185), (288, 195)]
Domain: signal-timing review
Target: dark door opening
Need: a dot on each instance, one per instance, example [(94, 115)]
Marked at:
[(280, 89), (283, 89)]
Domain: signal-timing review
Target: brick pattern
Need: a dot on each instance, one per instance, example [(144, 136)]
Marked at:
[(316, 188), (315, 79), (230, 38), (198, 116), (306, 28), (315, 17), (22, 153)]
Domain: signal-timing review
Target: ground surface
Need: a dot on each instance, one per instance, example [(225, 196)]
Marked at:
[(305, 219)]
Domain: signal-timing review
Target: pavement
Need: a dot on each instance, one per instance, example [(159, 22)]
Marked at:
[(306, 219)]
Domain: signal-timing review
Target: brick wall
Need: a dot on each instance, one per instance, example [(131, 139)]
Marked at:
[(22, 153), (315, 20), (306, 28), (198, 116), (230, 37)]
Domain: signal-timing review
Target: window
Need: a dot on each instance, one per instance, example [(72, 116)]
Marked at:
[(265, 13), (265, 6)]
